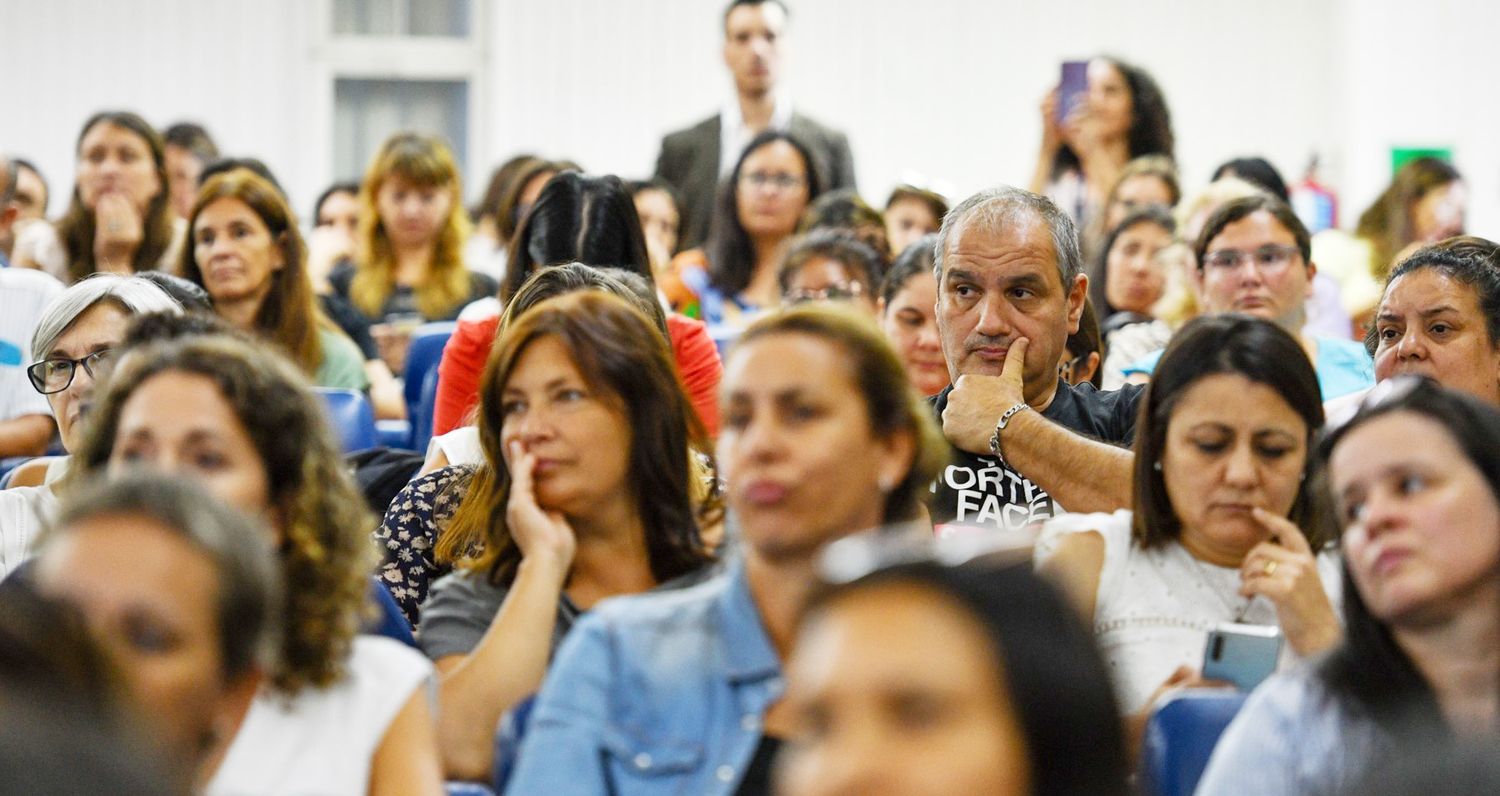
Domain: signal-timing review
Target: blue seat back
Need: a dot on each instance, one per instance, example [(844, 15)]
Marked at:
[(422, 359), (352, 416), (388, 620), (1180, 736)]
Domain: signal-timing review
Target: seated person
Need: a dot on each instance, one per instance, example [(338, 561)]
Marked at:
[(1081, 358), (409, 532), (408, 267), (1016, 699), (337, 713), (1265, 235), (1215, 533), (589, 220), (912, 213), (245, 249), (830, 265), (200, 574), (681, 691), (586, 492), (26, 423), (908, 301), (1417, 669), (73, 346), (755, 217), (844, 210), (1439, 317)]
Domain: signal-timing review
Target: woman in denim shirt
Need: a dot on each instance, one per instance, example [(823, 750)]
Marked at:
[(680, 692)]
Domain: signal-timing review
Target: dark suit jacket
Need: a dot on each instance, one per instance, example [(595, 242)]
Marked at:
[(690, 162)]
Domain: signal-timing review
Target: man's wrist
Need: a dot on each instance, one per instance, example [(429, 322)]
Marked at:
[(1000, 425)]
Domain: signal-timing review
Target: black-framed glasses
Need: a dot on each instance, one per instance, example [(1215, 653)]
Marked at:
[(55, 374), (842, 292), (1268, 259), (1065, 369)]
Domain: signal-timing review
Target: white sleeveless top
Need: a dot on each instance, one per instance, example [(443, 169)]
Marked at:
[(1155, 607), (323, 740)]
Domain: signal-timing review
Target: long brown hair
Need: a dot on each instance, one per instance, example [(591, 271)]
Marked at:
[(288, 314), (76, 229), (423, 161), (621, 353), (1387, 223)]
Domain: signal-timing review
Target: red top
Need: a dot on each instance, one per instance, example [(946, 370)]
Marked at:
[(465, 354)]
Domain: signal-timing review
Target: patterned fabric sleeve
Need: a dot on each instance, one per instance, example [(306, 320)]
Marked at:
[(409, 531)]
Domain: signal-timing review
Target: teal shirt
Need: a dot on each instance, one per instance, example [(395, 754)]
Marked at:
[(1343, 366), (343, 365)]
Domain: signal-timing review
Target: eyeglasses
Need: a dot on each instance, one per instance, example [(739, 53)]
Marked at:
[(54, 375), (761, 179), (1269, 259), (844, 292), (1065, 370)]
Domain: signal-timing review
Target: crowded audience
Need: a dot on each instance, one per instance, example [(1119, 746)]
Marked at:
[(722, 479)]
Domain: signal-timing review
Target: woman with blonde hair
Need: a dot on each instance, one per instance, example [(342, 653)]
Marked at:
[(245, 250), (337, 712), (408, 263)]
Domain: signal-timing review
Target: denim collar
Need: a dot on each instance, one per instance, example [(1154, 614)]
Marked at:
[(747, 648)]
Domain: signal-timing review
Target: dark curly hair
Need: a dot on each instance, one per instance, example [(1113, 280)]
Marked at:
[(325, 551), (1151, 125)]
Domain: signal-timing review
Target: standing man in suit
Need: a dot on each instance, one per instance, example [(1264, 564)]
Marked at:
[(696, 159)]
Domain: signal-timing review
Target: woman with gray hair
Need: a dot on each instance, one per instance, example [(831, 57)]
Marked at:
[(190, 624), (71, 348)]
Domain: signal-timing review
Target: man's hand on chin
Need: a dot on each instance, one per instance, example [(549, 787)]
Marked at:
[(976, 402)]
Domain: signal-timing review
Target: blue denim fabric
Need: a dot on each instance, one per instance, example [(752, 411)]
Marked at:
[(654, 694)]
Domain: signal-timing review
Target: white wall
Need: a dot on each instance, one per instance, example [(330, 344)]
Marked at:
[(947, 89)]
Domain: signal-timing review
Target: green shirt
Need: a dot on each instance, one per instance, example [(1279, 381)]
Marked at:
[(343, 365)]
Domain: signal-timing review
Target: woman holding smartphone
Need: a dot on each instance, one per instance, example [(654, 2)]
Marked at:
[(1221, 458), (1117, 113), (1418, 671)]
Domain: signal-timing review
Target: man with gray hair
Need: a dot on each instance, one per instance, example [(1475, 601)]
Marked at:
[(1026, 443), (25, 420)]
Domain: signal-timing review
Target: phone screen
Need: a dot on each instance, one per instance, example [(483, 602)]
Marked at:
[(1072, 88)]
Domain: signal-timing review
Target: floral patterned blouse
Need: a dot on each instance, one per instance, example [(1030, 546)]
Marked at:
[(410, 529)]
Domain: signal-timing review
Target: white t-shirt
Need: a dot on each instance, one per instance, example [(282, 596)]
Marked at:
[(1155, 607), (24, 293), (323, 740), (23, 512)]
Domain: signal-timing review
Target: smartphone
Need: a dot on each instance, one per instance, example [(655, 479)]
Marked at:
[(1072, 88), (1241, 654)]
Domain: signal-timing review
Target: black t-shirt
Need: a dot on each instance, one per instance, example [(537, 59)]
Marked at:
[(978, 490), (351, 321), (757, 779), (403, 300)]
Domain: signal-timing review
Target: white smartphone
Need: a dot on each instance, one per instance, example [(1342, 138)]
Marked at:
[(1241, 654)]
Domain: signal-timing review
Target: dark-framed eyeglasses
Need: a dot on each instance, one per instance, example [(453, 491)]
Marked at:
[(54, 375), (838, 292), (1065, 369)]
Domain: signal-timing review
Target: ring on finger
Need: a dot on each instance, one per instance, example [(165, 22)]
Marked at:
[(1269, 568)]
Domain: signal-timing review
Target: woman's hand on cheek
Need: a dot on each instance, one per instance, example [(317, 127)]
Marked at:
[(118, 230), (543, 536), (1284, 569)]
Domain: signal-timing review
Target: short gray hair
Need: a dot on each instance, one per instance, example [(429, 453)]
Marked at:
[(135, 295), (996, 207), (248, 609)]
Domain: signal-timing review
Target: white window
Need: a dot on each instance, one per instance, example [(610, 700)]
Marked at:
[(393, 65)]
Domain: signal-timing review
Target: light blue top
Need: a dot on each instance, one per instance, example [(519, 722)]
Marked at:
[(1294, 738), (658, 693), (1343, 366)]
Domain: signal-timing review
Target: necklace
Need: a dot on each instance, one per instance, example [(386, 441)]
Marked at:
[(1200, 572)]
